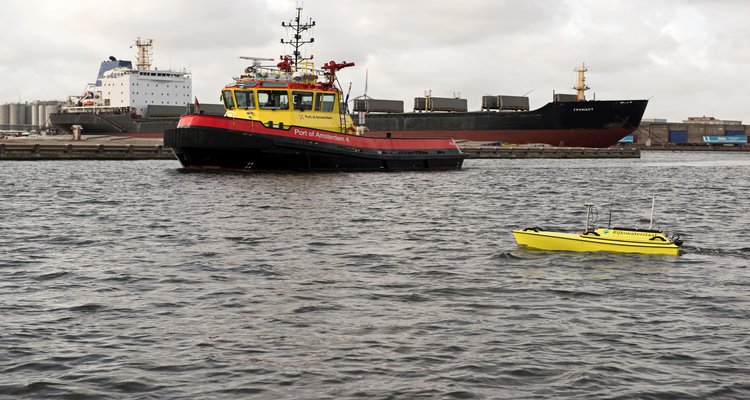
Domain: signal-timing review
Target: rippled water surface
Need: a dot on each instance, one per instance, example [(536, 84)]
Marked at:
[(130, 279)]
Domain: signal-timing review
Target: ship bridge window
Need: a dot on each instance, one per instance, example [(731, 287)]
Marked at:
[(228, 99), (273, 99), (325, 102), (302, 100), (244, 99)]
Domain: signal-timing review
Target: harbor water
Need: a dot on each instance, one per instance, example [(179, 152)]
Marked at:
[(134, 279)]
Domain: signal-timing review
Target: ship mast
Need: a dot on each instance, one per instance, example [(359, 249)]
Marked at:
[(144, 53), (581, 87), (296, 40)]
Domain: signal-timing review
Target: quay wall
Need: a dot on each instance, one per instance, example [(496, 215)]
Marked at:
[(28, 150)]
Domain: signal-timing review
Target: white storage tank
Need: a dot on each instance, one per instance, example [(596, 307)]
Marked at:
[(26, 114), (13, 114), (34, 116), (4, 114), (42, 110), (49, 110)]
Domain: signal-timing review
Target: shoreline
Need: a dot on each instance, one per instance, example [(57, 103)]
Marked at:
[(63, 147)]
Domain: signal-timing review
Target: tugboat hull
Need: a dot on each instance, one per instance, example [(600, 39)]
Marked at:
[(204, 142)]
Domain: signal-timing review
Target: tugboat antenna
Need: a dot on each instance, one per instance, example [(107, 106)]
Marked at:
[(296, 41)]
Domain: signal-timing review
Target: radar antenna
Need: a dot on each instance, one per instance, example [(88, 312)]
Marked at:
[(296, 41), (256, 63)]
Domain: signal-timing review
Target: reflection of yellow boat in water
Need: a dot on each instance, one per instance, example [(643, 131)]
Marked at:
[(620, 240)]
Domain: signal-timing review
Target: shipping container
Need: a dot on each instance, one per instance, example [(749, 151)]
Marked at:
[(381, 106), (449, 104), (725, 139), (155, 110), (490, 103), (565, 98), (506, 103), (440, 104), (208, 109), (513, 103), (678, 136)]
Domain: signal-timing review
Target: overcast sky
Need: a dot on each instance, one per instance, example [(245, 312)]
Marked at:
[(690, 58)]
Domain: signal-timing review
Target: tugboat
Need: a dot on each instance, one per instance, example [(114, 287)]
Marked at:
[(618, 240), (292, 117)]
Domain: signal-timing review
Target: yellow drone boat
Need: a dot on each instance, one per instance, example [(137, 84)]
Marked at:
[(618, 240)]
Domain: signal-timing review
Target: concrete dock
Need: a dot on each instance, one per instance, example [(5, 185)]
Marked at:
[(153, 149), (28, 149), (132, 149), (549, 152)]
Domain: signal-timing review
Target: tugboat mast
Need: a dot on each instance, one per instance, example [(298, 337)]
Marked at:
[(296, 40)]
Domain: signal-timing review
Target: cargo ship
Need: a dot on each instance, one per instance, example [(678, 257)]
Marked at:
[(569, 120), (126, 101), (292, 117)]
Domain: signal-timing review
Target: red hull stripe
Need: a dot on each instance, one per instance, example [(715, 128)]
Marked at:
[(378, 143)]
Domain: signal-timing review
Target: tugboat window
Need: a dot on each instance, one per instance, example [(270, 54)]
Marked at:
[(244, 99), (273, 99), (302, 100), (228, 99), (325, 102)]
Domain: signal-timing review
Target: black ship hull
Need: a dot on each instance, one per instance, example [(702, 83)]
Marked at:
[(573, 124), (114, 124), (202, 142)]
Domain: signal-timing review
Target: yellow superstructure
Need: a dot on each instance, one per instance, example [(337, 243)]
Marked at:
[(283, 104)]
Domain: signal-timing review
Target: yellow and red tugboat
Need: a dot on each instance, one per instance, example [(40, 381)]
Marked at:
[(293, 117)]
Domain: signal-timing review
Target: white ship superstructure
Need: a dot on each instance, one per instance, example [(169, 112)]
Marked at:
[(125, 90), (138, 89)]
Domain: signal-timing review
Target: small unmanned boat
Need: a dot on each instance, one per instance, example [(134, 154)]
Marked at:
[(619, 240)]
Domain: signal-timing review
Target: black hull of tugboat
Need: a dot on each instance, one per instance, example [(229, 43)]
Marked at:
[(217, 148)]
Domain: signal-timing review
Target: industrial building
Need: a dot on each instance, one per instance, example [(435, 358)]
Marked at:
[(692, 131)]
